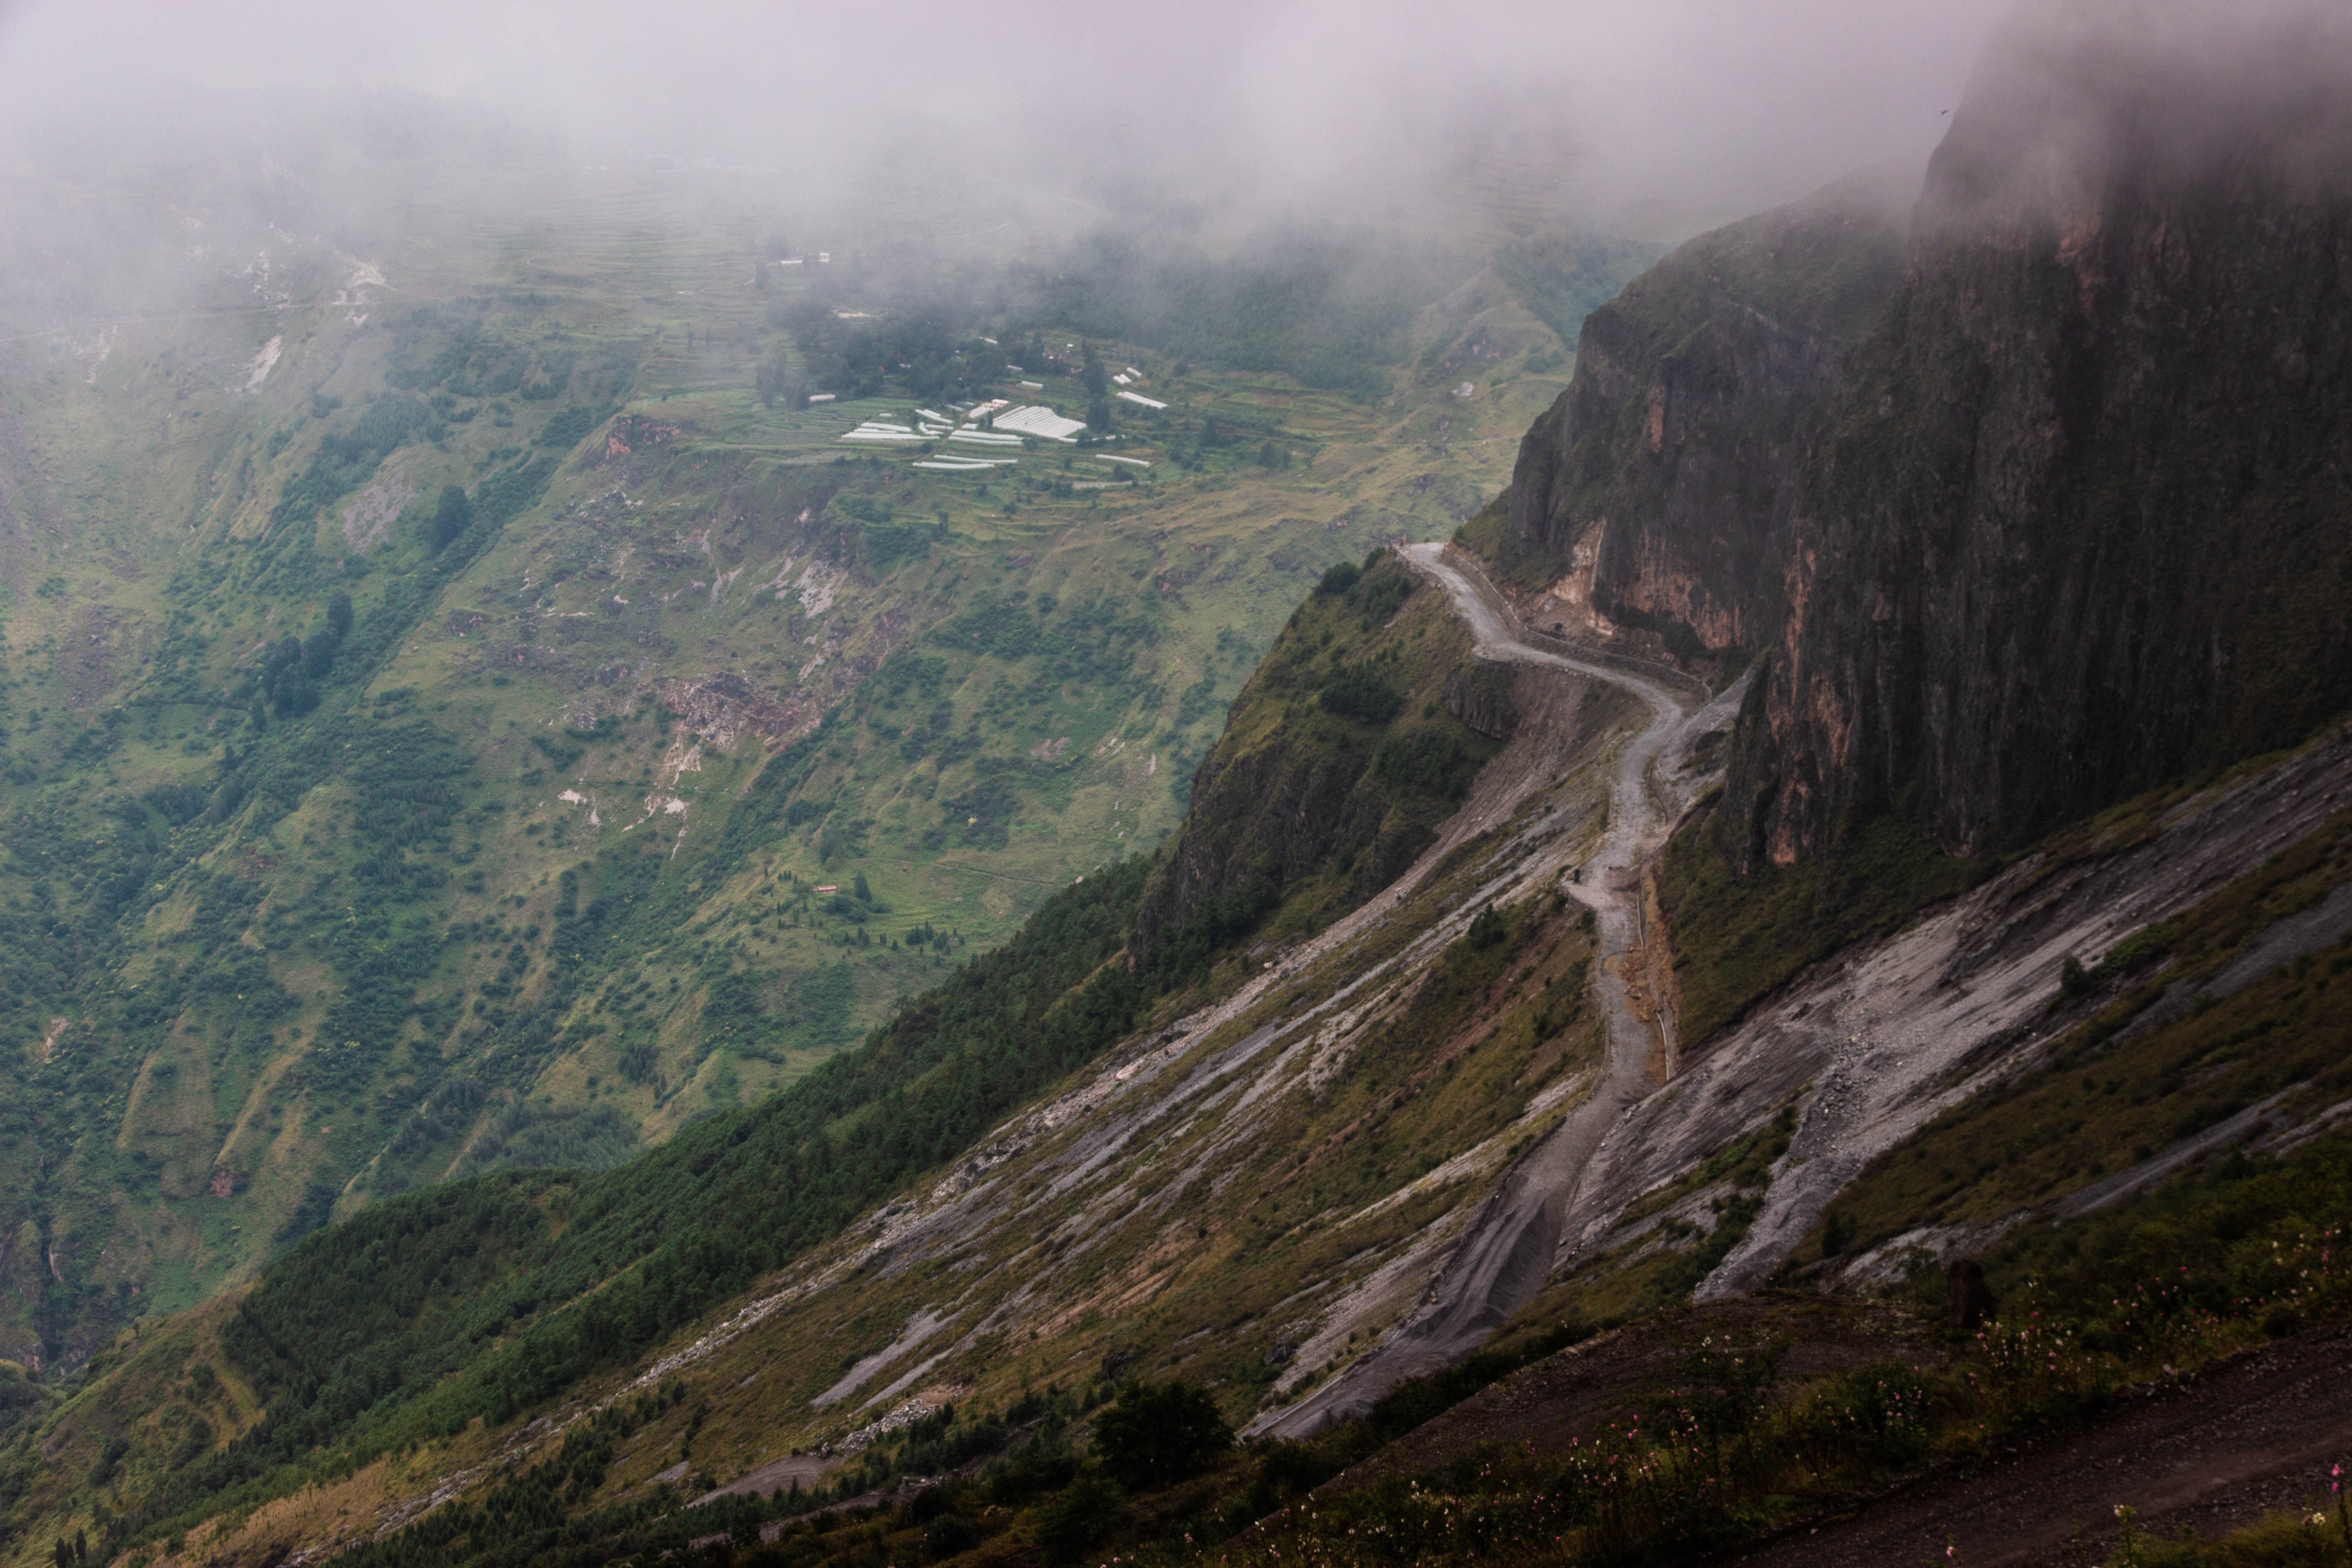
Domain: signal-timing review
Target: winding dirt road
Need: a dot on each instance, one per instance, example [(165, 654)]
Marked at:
[(1507, 1252)]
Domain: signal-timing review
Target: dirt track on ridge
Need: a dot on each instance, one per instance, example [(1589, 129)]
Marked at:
[(2251, 1436)]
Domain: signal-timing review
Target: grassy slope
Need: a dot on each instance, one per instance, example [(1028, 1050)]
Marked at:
[(2230, 1253), (2122, 1085), (1736, 939), (347, 1345), (1307, 807), (1739, 937)]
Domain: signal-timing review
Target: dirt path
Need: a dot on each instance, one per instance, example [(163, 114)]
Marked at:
[(2253, 1436), (1508, 1251), (1548, 1409)]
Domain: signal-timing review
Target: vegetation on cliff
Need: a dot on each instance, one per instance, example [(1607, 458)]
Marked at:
[(1339, 759)]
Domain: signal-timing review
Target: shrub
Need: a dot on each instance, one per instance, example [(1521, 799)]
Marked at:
[(949, 1534), (1426, 759), (1157, 1433), (2074, 980), (452, 515), (571, 423), (1088, 1510), (1338, 578), (1353, 692)]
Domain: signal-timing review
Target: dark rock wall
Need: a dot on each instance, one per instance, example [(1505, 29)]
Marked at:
[(1666, 472), (1479, 694), (2084, 517)]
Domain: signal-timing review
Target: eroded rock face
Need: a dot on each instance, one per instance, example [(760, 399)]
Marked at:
[(1479, 694), (2082, 519), (1664, 479), (724, 707)]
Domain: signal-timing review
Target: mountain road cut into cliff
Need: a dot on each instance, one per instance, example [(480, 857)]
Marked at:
[(1506, 1253)]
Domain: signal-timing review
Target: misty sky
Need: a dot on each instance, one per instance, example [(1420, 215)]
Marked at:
[(1660, 114)]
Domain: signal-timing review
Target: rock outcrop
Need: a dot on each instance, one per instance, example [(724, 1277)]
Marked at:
[(1479, 694), (2082, 517), (2045, 508), (1661, 484)]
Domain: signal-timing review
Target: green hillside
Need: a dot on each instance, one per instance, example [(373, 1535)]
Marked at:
[(693, 902), (461, 710)]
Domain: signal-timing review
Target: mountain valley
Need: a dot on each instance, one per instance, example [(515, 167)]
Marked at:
[(1717, 944), (538, 735)]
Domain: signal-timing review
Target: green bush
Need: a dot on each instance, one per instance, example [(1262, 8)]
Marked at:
[(1427, 759), (1354, 692), (571, 423), (1088, 1510), (1338, 578), (1155, 1433)]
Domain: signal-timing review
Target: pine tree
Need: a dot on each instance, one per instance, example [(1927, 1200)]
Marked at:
[(452, 515)]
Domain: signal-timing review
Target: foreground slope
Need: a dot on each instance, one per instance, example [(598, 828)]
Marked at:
[(1053, 1195), (1284, 1192)]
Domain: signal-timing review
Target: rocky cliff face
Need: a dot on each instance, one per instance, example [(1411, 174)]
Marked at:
[(1479, 694), (2080, 520), (1657, 493)]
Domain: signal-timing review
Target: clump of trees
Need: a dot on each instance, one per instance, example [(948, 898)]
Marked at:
[(1157, 1433), (294, 667)]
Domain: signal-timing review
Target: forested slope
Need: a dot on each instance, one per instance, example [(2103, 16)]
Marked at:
[(481, 1298)]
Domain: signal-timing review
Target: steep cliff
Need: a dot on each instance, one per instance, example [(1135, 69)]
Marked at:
[(1656, 493), (2079, 522)]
